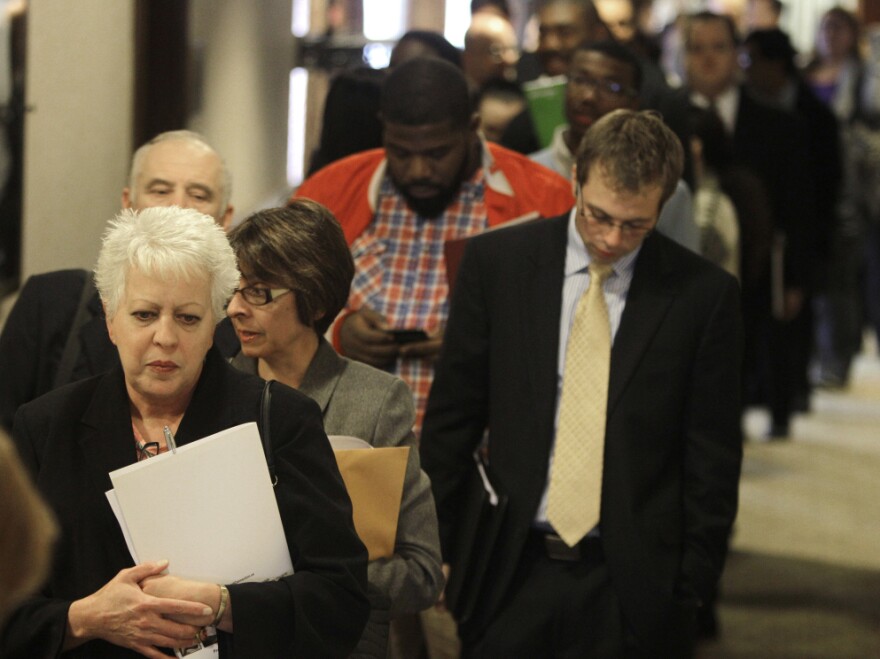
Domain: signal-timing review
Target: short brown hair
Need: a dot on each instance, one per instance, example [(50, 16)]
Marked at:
[(635, 150), (300, 247)]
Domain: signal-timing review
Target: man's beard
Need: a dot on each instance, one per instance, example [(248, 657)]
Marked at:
[(431, 207)]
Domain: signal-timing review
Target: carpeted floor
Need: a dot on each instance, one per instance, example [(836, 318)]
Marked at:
[(803, 578)]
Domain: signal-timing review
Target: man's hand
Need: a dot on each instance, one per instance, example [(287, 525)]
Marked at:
[(429, 348), (122, 614), (364, 337)]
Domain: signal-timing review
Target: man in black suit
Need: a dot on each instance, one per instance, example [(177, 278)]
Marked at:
[(773, 145), (672, 447), (772, 75), (55, 332)]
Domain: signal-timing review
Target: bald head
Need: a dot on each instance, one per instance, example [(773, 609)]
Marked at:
[(619, 17), (180, 168), (490, 49)]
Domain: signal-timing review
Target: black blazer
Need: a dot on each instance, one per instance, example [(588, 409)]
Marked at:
[(74, 436), (826, 158), (35, 333), (673, 441), (775, 145)]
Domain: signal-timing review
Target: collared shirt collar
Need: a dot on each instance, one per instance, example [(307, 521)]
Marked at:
[(577, 258), (561, 153), (726, 105)]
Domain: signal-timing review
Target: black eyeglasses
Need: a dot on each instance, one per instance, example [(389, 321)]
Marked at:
[(147, 450), (628, 228), (259, 295), (607, 88)]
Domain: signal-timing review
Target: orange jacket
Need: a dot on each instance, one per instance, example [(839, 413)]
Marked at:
[(515, 186)]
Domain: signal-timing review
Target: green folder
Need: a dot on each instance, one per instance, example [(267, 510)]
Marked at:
[(546, 98)]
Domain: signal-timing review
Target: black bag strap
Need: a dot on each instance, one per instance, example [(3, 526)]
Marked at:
[(72, 345), (263, 425)]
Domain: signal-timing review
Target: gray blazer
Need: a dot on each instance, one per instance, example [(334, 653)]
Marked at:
[(364, 402)]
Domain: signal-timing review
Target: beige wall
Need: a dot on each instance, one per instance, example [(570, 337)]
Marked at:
[(77, 133), (80, 86), (427, 15), (246, 51)]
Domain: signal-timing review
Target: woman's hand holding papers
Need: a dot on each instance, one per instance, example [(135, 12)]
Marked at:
[(125, 615), (171, 587)]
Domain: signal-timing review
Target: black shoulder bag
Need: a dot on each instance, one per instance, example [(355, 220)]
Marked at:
[(263, 426)]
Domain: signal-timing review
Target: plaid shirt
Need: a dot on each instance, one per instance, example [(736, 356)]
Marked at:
[(400, 271)]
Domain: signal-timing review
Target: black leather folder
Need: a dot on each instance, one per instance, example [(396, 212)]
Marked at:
[(473, 549)]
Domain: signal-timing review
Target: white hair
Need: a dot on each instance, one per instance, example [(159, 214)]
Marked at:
[(190, 137), (168, 242)]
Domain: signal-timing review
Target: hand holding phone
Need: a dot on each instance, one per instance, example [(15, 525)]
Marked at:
[(408, 335)]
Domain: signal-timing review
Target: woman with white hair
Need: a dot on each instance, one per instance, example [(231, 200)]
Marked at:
[(164, 276)]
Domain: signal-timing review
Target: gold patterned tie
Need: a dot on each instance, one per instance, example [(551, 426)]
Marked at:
[(576, 474)]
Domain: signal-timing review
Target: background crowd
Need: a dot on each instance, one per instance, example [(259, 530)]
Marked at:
[(344, 295), (780, 190)]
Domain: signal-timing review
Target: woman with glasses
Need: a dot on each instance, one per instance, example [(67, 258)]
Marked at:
[(164, 275), (296, 272)]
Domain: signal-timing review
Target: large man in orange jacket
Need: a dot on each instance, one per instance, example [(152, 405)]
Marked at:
[(435, 180)]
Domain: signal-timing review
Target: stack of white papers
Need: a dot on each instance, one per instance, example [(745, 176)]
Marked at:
[(208, 508)]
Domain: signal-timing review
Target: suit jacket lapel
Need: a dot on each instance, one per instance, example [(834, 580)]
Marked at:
[(744, 125), (322, 375), (107, 440), (543, 276), (650, 294)]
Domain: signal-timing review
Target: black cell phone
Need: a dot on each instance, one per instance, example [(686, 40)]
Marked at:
[(409, 335)]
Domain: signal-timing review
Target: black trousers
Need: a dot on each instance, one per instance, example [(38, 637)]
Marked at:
[(559, 609)]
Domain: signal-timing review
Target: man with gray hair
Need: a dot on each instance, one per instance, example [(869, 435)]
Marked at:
[(180, 168), (55, 332)]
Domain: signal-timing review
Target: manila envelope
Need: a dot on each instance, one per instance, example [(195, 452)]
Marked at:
[(374, 480)]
